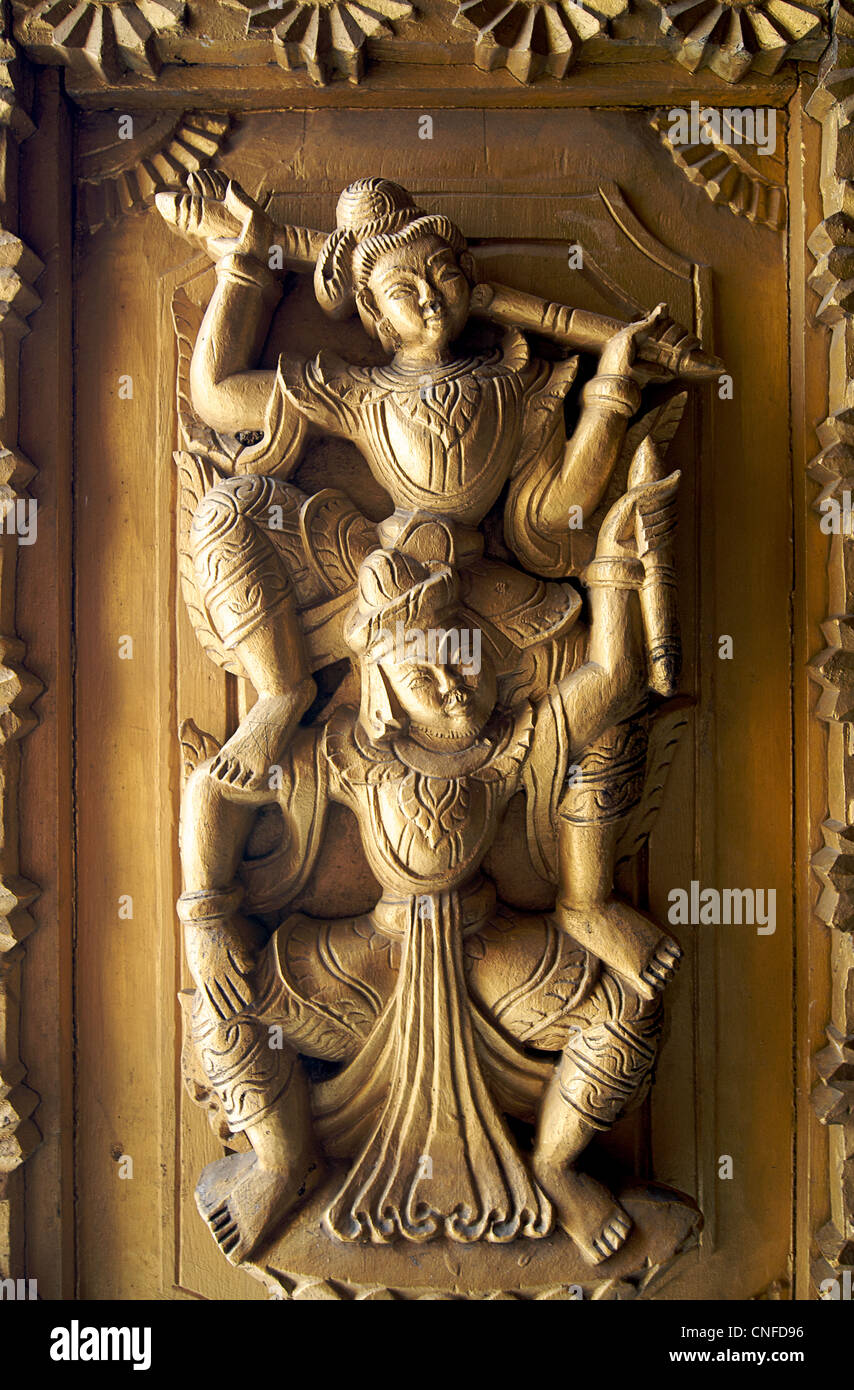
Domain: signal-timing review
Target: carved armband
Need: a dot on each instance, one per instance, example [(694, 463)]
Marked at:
[(614, 572), (619, 393), (209, 906), (245, 270)]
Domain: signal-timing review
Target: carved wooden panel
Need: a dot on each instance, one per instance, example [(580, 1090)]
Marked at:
[(525, 187)]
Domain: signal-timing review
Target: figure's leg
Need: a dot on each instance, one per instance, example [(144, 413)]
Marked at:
[(245, 542), (603, 787), (605, 1068), (258, 1082)]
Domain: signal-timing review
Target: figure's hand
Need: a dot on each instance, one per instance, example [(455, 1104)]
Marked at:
[(216, 213), (641, 520), (620, 352), (222, 957)]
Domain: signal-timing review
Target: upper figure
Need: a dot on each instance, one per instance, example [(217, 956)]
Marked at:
[(442, 429)]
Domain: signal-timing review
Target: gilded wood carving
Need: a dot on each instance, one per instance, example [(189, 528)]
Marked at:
[(369, 1069)]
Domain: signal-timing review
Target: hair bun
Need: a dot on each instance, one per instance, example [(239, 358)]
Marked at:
[(373, 215), (367, 200)]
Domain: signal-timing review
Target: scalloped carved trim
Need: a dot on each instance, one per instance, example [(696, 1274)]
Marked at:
[(532, 38), (105, 37), (323, 36), (731, 38), (126, 176), (726, 175)]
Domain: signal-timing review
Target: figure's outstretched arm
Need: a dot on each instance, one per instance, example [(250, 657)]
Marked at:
[(228, 392), (610, 399), (613, 680)]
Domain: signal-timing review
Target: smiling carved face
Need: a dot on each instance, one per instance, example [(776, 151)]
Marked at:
[(420, 293), (445, 704)]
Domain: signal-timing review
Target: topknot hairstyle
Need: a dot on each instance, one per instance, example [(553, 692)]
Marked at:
[(373, 216)]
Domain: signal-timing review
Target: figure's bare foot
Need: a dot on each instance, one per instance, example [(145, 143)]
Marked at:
[(626, 941), (245, 760), (586, 1210), (243, 1202)]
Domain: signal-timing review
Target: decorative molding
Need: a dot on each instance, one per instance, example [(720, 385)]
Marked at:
[(322, 36), (19, 269), (104, 37), (832, 245), (533, 37), (726, 174), (125, 176), (731, 38)]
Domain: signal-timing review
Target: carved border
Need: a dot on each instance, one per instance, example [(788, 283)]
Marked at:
[(103, 43), (832, 246), (19, 269)]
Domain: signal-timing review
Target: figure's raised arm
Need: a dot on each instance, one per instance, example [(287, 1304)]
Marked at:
[(613, 681), (229, 392), (610, 399)]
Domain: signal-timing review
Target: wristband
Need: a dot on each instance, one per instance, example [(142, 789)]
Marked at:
[(618, 392), (614, 572), (239, 269), (210, 905)]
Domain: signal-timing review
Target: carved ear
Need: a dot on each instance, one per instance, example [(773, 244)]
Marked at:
[(466, 263), (368, 311), (380, 713)]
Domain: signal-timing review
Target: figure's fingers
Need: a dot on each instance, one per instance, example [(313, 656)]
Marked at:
[(207, 183), (650, 497), (658, 519), (649, 320), (241, 967), (237, 992), (670, 948), (239, 204), (167, 205), (656, 973), (653, 981)]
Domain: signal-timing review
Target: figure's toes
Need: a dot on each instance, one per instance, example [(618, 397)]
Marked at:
[(224, 1235), (616, 1233)]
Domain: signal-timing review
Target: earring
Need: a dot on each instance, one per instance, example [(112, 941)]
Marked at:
[(389, 336)]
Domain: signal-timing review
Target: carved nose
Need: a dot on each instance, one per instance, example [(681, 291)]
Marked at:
[(430, 299)]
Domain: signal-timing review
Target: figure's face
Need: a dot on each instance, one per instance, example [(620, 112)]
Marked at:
[(421, 293), (446, 705)]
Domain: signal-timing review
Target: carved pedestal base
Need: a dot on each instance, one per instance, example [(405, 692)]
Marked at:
[(304, 1263)]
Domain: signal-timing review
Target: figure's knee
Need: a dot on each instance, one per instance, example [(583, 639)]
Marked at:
[(215, 821), (528, 976), (204, 803), (609, 1060)]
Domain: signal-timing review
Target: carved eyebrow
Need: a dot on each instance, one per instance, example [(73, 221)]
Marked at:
[(394, 275), (443, 253)]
